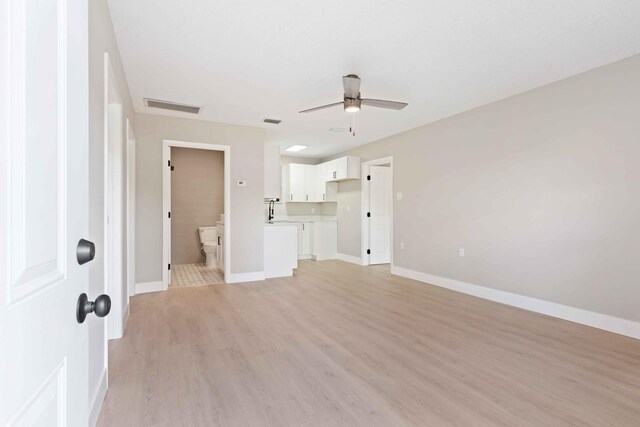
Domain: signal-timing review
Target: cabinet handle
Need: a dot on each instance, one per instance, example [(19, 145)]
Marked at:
[(307, 196), (334, 175), (291, 197), (219, 241), (323, 196), (303, 226)]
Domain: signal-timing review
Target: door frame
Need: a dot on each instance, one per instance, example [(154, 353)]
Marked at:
[(166, 203), (113, 262), (130, 139), (365, 169)]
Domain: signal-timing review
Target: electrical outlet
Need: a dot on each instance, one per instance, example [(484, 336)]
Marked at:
[(461, 252), (399, 196), (313, 210), (402, 245)]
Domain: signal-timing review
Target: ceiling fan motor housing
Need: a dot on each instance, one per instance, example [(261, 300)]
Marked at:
[(352, 104)]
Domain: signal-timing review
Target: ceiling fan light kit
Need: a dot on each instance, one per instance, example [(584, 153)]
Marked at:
[(351, 105), (353, 102)]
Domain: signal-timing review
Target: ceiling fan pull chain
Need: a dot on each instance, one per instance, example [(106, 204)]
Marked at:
[(353, 124)]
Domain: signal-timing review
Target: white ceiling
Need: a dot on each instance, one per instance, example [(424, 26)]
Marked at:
[(246, 60)]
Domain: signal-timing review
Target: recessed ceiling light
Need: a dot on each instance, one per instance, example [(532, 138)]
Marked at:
[(295, 148)]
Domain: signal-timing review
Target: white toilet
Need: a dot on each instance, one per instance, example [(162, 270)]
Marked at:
[(209, 245)]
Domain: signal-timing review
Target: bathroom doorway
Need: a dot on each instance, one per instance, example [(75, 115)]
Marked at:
[(196, 201)]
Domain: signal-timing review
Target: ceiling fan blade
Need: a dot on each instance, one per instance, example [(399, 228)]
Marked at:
[(351, 86), (381, 103), (322, 107)]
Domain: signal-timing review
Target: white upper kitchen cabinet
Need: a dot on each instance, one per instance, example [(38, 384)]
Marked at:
[(325, 191), (297, 187), (310, 186), (303, 186), (344, 168), (319, 183)]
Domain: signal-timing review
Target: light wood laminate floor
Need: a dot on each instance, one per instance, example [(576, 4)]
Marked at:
[(343, 345)]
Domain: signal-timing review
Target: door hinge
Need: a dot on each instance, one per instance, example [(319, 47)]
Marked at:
[(368, 251), (168, 214), (368, 177), (368, 214), (169, 164), (168, 266)]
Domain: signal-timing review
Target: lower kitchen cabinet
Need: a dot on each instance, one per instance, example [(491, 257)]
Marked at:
[(324, 240), (304, 240), (317, 240)]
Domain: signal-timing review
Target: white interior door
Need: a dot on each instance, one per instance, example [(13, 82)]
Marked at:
[(380, 220), (44, 211)]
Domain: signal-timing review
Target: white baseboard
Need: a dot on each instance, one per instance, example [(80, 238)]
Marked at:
[(324, 257), (244, 277), (95, 405), (286, 272), (605, 322), (349, 258), (143, 288)]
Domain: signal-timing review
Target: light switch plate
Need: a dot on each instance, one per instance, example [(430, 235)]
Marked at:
[(399, 196), (461, 252), (241, 183)]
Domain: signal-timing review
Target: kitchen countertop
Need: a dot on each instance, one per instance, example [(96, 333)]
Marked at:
[(280, 224), (304, 218)]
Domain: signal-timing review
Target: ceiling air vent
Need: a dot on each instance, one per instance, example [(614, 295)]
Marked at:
[(272, 121), (168, 105)]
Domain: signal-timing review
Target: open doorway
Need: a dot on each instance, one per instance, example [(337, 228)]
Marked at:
[(377, 203), (196, 224)]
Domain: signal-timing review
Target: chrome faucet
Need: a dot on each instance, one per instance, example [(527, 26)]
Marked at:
[(272, 204)]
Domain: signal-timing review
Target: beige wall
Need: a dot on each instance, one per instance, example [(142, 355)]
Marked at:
[(101, 40), (197, 199), (541, 190), (247, 163)]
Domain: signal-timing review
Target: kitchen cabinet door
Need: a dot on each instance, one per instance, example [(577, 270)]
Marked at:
[(331, 170), (310, 188), (297, 189), (304, 240)]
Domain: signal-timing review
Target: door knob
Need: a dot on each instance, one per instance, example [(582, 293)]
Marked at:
[(85, 251), (100, 307)]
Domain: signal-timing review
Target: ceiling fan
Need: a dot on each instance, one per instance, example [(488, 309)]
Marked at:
[(353, 101)]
